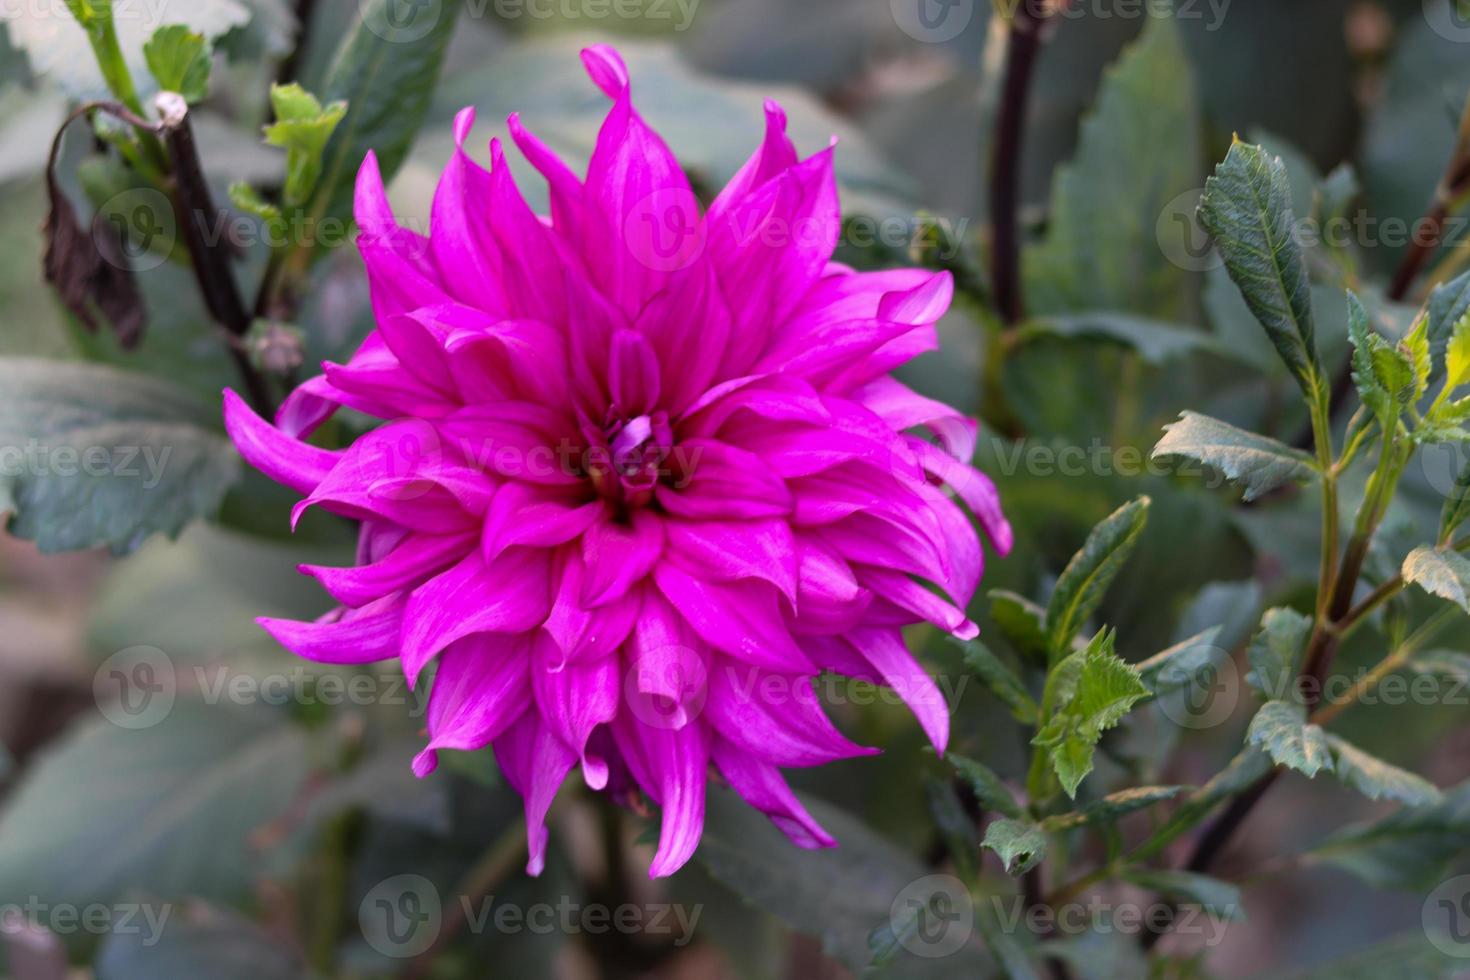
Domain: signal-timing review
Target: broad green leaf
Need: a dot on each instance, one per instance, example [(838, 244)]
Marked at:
[(1020, 844), (1001, 680), (1087, 576), (1219, 898), (1156, 341), (1113, 807), (58, 48), (1408, 849), (1378, 780), (91, 455), (840, 895), (1282, 729), (1457, 354), (989, 789), (1176, 667), (179, 60), (385, 71), (1276, 651), (182, 800), (1086, 694), (302, 128), (197, 940), (1258, 462), (1137, 152), (1247, 208), (1440, 571), (1022, 621), (1448, 306)]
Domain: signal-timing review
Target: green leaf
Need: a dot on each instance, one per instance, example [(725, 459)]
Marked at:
[(1086, 694), (1440, 571), (1448, 305), (248, 199), (1408, 849), (838, 897), (58, 48), (179, 60), (1156, 341), (989, 789), (182, 800), (1247, 208), (1370, 388), (1276, 651), (91, 455), (1456, 506), (1113, 807), (1137, 152), (385, 71), (1219, 898), (1180, 664), (302, 128), (1258, 462), (1281, 728), (1001, 680), (1087, 576), (1022, 621), (1457, 354), (1020, 844), (197, 940), (1415, 348), (1378, 780)]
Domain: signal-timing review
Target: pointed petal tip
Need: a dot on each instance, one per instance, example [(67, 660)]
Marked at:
[(607, 69), (968, 630), (464, 121), (425, 762)]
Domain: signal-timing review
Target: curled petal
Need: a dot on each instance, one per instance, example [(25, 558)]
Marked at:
[(760, 784), (288, 461), (482, 684), (534, 762), (345, 636)]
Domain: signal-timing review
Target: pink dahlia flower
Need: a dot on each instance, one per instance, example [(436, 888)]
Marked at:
[(643, 474)]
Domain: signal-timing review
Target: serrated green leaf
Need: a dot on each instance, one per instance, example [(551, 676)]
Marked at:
[(1258, 462), (1087, 576), (1408, 849), (302, 128), (1000, 680), (1457, 354), (91, 456), (1276, 651), (179, 60), (1022, 621), (1138, 150), (1362, 336), (1021, 845), (1282, 729), (1393, 371), (248, 199), (1112, 807), (1448, 304), (1247, 208), (1180, 664), (1086, 694), (1219, 898), (1379, 780), (1415, 347), (1440, 571), (989, 789)]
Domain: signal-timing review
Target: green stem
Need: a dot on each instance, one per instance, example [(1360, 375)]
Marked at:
[(1411, 645)]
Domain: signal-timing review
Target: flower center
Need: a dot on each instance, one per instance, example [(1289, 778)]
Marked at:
[(628, 458)]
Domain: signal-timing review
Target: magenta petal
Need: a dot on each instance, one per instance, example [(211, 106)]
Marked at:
[(669, 672), (510, 595), (760, 784), (671, 765), (633, 375), (904, 408), (419, 557), (884, 649), (482, 684), (582, 632), (776, 155), (717, 481), (905, 593), (288, 461), (344, 636), (775, 717), (741, 618), (574, 697), (523, 515), (724, 551), (619, 556), (534, 762)]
